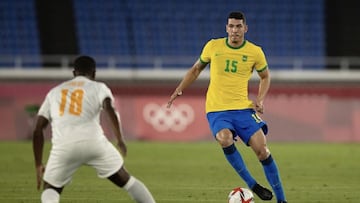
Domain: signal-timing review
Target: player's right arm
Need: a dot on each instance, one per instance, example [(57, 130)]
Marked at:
[(115, 124), (192, 74), (38, 148)]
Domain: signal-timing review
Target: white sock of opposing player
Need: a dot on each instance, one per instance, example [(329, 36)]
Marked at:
[(138, 191), (50, 196)]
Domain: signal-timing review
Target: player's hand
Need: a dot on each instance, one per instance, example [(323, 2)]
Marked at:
[(173, 97), (259, 107), (39, 175), (123, 148)]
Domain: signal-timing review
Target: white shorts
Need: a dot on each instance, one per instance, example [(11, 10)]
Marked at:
[(65, 159)]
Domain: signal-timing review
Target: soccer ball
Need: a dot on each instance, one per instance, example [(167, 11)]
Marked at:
[(241, 195)]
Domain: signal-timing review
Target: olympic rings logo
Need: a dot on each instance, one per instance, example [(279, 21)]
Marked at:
[(176, 118)]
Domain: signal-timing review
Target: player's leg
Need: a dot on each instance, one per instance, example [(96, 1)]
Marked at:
[(246, 123), (226, 141), (136, 189), (234, 158), (259, 146), (110, 164), (223, 130), (50, 194), (225, 138), (60, 167)]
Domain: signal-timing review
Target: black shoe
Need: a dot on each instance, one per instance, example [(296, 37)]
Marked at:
[(282, 201), (262, 192)]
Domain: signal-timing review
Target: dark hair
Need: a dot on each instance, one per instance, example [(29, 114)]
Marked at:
[(237, 15), (84, 64)]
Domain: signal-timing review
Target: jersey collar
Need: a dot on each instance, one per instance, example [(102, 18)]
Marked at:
[(231, 47)]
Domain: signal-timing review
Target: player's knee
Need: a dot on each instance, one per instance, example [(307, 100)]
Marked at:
[(225, 138), (120, 178), (49, 186), (262, 153)]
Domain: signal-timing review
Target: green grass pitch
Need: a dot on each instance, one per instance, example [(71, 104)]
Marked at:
[(195, 172)]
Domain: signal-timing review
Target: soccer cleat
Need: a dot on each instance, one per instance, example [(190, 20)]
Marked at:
[(262, 192), (282, 201)]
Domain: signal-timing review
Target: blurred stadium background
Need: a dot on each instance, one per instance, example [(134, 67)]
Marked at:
[(144, 47)]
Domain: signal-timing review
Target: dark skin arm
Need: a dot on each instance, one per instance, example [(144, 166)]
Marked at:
[(38, 148), (115, 124)]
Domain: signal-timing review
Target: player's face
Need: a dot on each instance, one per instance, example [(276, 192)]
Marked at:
[(236, 30)]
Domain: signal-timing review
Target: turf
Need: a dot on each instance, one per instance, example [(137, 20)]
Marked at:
[(195, 172)]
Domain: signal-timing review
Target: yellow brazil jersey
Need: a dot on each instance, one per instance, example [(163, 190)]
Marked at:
[(230, 72)]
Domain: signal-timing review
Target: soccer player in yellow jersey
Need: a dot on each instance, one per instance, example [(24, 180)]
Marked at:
[(229, 111)]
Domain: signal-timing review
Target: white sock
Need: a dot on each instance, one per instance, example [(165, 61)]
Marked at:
[(138, 191), (50, 196)]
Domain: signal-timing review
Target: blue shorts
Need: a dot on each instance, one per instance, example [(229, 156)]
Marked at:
[(242, 123)]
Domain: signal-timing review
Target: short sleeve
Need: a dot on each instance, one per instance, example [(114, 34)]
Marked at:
[(104, 92), (45, 107), (261, 63), (205, 56)]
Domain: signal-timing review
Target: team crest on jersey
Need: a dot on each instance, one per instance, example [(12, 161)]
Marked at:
[(244, 58)]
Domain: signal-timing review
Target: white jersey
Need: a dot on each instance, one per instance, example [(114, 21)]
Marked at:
[(73, 108)]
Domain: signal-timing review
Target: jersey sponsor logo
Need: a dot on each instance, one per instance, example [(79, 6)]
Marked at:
[(176, 118), (244, 58)]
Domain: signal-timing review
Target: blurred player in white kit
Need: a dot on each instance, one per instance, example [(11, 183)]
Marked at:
[(73, 110)]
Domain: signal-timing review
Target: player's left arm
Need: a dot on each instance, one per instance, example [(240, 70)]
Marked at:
[(264, 86), (38, 147), (115, 123)]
